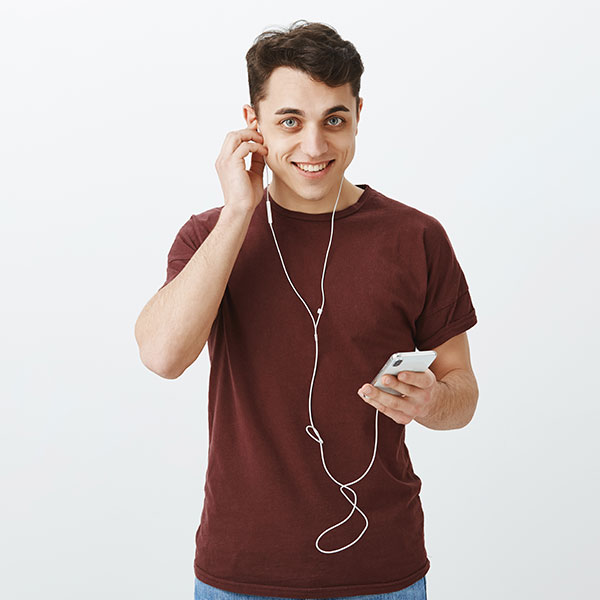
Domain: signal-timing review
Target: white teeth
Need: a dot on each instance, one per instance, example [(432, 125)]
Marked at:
[(312, 168)]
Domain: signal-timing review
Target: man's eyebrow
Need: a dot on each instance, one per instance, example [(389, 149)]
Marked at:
[(286, 110)]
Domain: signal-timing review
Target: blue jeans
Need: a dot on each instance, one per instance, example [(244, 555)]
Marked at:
[(416, 591)]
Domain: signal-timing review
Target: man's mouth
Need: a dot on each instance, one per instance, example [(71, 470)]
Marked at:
[(313, 170)]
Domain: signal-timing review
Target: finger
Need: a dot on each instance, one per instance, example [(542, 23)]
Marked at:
[(369, 392), (398, 416), (257, 162), (420, 379), (392, 382), (246, 148), (234, 139)]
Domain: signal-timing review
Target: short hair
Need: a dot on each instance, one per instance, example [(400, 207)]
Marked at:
[(315, 48)]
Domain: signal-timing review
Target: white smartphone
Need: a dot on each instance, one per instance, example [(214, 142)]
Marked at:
[(403, 361)]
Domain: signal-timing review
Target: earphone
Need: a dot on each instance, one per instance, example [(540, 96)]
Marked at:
[(311, 430)]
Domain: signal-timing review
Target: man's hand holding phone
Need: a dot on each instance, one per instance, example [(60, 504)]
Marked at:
[(404, 388), (417, 400), (242, 189)]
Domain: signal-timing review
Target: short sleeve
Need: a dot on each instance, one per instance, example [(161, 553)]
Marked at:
[(188, 239), (448, 309)]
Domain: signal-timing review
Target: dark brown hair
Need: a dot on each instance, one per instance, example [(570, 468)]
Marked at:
[(315, 48)]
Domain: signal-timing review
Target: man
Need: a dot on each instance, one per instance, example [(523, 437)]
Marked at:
[(273, 521)]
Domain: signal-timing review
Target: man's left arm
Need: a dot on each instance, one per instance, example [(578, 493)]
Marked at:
[(443, 397)]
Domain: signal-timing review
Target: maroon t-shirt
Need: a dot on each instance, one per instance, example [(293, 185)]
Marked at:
[(392, 284)]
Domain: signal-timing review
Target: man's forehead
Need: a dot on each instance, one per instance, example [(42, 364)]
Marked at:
[(291, 91)]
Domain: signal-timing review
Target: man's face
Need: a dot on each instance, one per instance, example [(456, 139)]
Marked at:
[(299, 126)]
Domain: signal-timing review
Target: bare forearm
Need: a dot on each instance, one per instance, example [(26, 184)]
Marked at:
[(454, 401), (173, 327)]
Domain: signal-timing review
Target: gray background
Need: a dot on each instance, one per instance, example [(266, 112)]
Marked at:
[(482, 114)]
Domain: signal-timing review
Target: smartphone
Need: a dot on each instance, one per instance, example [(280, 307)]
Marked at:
[(403, 361)]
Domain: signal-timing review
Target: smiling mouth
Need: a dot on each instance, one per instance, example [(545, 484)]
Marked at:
[(308, 168)]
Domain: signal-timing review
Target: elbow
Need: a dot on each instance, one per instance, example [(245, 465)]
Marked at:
[(160, 367), (155, 360), (168, 374), (165, 359), (474, 408)]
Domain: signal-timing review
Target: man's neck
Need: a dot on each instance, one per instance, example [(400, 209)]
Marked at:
[(349, 195)]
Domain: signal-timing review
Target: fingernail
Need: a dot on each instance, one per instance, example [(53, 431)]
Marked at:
[(387, 380)]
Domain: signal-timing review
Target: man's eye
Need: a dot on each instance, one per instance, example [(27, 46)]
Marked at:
[(341, 121)]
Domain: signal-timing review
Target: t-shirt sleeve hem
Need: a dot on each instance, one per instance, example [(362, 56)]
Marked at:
[(449, 331)]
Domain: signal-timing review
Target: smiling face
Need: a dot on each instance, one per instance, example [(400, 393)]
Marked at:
[(305, 122)]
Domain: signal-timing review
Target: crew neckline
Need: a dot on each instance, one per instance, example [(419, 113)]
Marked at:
[(339, 214)]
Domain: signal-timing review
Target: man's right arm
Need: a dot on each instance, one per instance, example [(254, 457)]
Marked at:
[(173, 327)]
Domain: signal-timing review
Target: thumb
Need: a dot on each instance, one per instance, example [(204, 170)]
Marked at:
[(257, 163)]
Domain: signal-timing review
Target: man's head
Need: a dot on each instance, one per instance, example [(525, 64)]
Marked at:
[(306, 70)]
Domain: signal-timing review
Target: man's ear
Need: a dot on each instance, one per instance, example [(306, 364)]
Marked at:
[(249, 115), (360, 105)]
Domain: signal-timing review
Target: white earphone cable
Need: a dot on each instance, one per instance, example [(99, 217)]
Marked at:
[(311, 429)]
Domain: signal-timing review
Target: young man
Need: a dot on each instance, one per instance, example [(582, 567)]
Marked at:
[(284, 516)]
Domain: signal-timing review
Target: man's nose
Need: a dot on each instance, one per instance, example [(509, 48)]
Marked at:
[(314, 142)]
